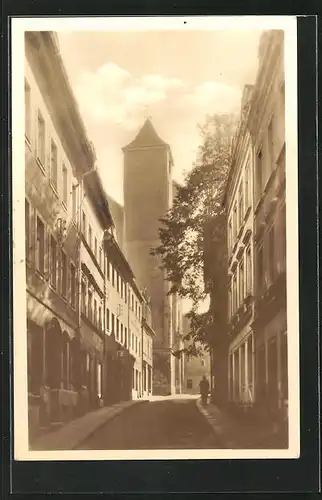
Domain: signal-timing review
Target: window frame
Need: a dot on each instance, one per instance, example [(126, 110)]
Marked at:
[(40, 270), (41, 160), (53, 179)]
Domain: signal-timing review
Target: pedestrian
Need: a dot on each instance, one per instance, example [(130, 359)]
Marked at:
[(204, 389)]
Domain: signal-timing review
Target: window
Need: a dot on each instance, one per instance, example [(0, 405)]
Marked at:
[(122, 339), (234, 223), (260, 269), (234, 293), (117, 282), (107, 319), (241, 204), (125, 293), (125, 337), (41, 139), (117, 328), (100, 317), (250, 360), (63, 274), (53, 262), (241, 282), (113, 323), (99, 379), (83, 297), (40, 246), (247, 187), (53, 164), (189, 383), (108, 269), (90, 304), (121, 288), (136, 344), (65, 184), (27, 111), (65, 358), (248, 271), (100, 257), (132, 302), (72, 285), (27, 230), (74, 202), (259, 173), (271, 250), (270, 140), (229, 304), (95, 247), (84, 223), (113, 276), (95, 312), (229, 236), (90, 235)]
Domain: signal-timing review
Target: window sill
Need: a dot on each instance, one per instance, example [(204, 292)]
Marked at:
[(53, 188), (40, 274), (53, 287), (28, 142), (40, 165)]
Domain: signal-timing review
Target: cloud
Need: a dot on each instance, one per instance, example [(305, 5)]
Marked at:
[(161, 83), (214, 97)]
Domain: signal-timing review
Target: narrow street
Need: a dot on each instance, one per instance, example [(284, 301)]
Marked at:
[(162, 424)]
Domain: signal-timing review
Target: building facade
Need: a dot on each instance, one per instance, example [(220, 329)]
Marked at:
[(57, 157), (147, 197), (267, 128), (147, 347), (94, 221), (256, 227), (240, 217), (89, 328)]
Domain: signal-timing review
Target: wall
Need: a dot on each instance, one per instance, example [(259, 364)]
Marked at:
[(147, 193)]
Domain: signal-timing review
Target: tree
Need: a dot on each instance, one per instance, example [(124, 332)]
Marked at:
[(185, 229)]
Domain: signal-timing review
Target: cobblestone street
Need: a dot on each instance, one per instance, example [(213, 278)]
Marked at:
[(160, 424)]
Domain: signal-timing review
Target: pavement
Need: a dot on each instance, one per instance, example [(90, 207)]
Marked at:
[(70, 435), (171, 422), (234, 434)]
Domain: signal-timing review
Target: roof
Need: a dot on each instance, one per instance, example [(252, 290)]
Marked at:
[(43, 53), (147, 137)]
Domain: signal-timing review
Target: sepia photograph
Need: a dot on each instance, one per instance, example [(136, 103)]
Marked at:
[(155, 238)]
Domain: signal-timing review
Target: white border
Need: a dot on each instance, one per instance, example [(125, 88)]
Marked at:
[(19, 25)]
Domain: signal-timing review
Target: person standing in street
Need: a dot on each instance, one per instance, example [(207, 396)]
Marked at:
[(204, 389)]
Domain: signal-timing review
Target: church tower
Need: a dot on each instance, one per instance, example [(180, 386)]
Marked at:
[(147, 197)]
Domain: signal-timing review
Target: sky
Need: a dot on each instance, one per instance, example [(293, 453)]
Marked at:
[(175, 77)]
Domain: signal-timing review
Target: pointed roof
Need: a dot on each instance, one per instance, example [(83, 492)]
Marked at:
[(147, 137)]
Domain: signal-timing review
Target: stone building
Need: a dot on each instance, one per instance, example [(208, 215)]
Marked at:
[(87, 319), (240, 236), (194, 367), (94, 220), (256, 227), (148, 194), (267, 128), (58, 156)]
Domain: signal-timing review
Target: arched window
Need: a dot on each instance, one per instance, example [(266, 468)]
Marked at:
[(65, 360)]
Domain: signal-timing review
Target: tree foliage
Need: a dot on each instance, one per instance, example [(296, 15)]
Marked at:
[(197, 205)]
